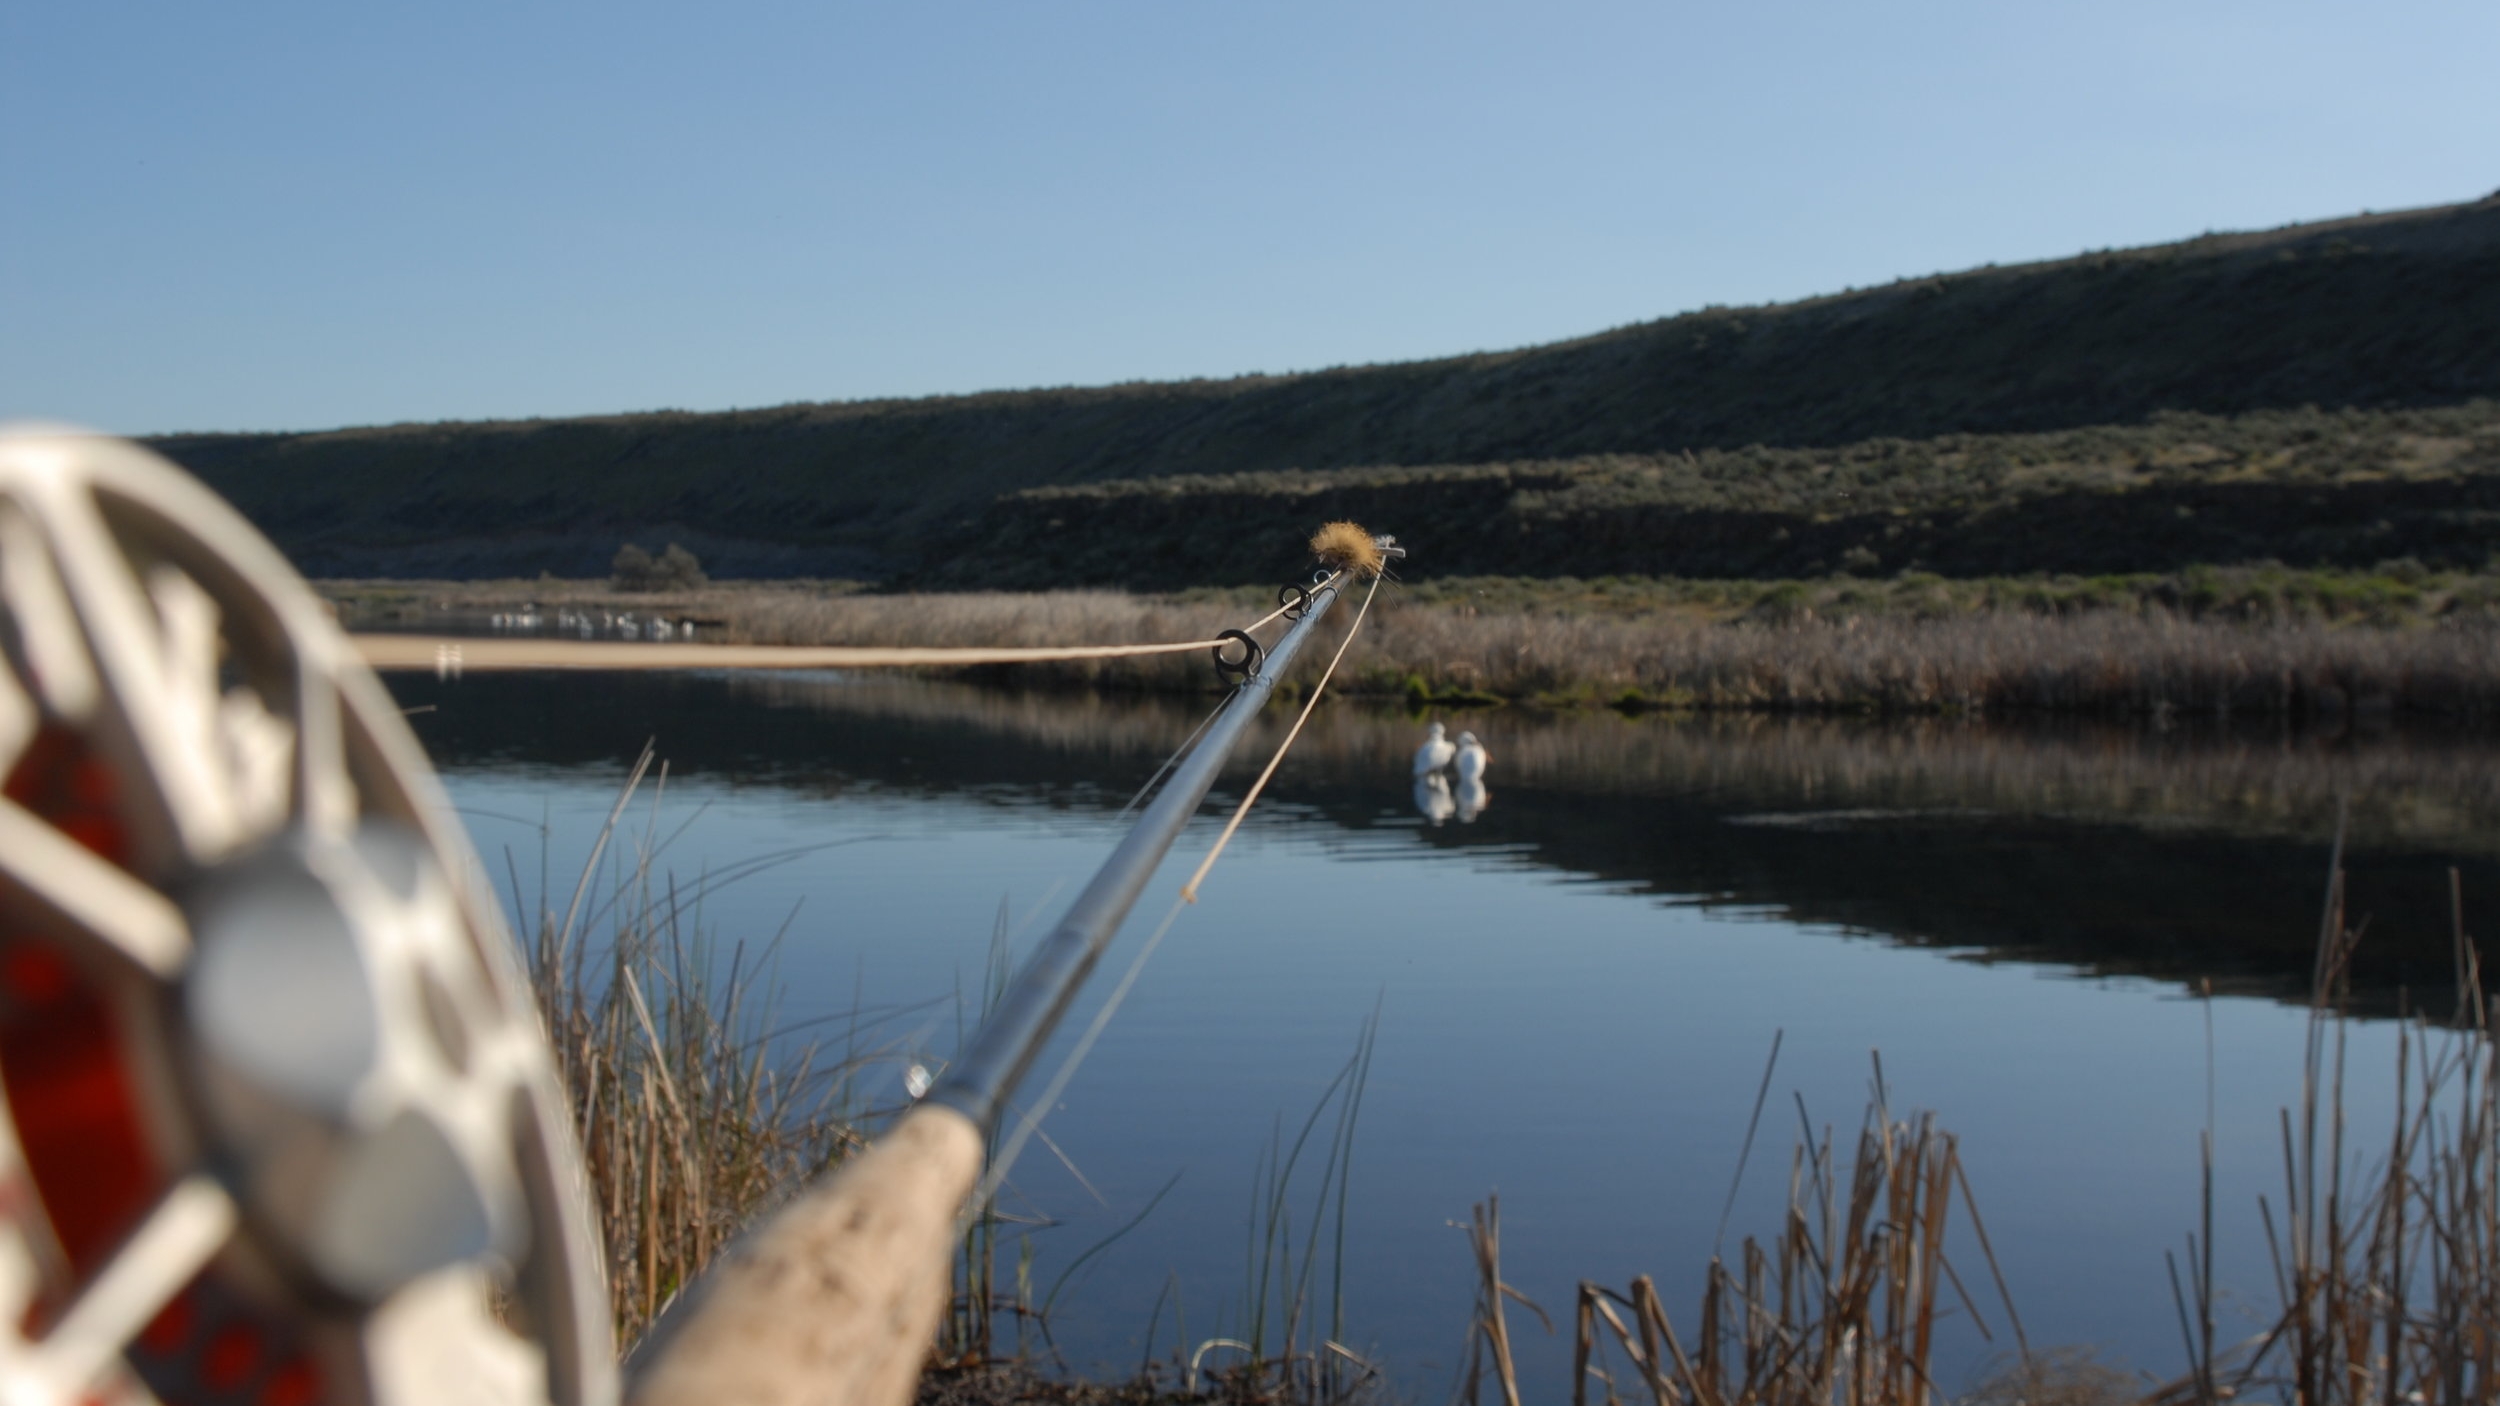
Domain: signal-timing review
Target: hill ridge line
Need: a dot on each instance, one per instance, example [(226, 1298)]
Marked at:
[(2377, 315)]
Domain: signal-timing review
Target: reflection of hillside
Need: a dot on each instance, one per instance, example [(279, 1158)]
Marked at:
[(2175, 854), (2107, 899), (2405, 789)]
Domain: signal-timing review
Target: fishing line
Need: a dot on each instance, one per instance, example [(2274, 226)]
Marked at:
[(1182, 750), (1189, 891), (1173, 759), (462, 654), (1029, 1120)]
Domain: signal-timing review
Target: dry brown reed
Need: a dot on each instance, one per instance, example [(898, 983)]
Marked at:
[(2144, 664), (1841, 1308), (2387, 1260), (382, 600), (691, 1119), (1489, 1355), (2386, 1257), (2147, 661), (992, 619), (1981, 664), (2150, 663)]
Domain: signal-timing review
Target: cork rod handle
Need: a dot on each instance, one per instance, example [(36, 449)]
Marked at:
[(835, 1299)]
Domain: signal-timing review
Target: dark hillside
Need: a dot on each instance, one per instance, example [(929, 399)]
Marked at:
[(2379, 313), (2307, 488)]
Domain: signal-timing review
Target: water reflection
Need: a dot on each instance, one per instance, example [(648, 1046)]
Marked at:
[(1501, 955), (2182, 853), (1432, 798), (1470, 764)]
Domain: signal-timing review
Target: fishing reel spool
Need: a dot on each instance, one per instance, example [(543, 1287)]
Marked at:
[(278, 1120)]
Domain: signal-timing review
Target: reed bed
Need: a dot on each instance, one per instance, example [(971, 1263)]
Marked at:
[(2386, 1257), (1011, 619), (1840, 1309), (2147, 662), (695, 1119), (2150, 664), (692, 1119), (2138, 658)]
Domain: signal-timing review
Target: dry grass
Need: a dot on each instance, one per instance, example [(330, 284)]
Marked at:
[(2140, 664), (2387, 1259), (382, 600), (994, 618), (1841, 1307), (694, 1120), (2140, 661), (691, 1120)]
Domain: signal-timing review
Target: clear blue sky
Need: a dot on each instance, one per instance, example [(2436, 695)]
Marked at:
[(280, 216)]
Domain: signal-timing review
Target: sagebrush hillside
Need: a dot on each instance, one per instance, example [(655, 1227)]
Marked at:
[(2321, 393), (2310, 488)]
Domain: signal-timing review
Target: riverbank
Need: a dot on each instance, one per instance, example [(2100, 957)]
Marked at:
[(2254, 641)]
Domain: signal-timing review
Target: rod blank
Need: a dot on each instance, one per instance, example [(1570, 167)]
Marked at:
[(833, 1300), (979, 1082)]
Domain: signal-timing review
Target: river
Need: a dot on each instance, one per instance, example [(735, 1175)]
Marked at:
[(1576, 985)]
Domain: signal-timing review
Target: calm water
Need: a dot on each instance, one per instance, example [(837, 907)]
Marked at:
[(1576, 989)]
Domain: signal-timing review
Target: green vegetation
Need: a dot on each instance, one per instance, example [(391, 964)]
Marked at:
[(2345, 489), (634, 569), (2320, 395)]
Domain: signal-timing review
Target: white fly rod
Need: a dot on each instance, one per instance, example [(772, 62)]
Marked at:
[(836, 1297)]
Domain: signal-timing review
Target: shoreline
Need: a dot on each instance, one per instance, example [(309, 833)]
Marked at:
[(2317, 648)]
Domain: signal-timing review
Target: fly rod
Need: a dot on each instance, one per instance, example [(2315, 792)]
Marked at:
[(836, 1297)]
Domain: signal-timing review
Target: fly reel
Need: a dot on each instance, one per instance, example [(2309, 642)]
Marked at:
[(278, 1123)]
